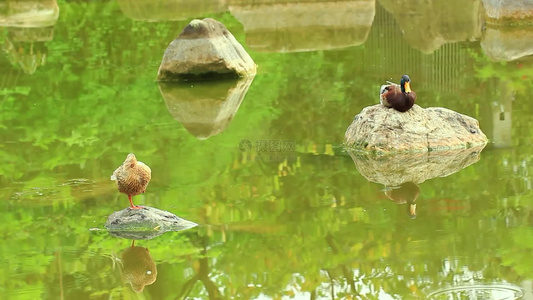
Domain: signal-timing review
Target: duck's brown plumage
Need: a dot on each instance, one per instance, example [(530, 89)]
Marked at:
[(400, 97), (132, 177)]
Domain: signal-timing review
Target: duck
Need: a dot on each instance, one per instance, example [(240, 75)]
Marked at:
[(132, 178), (400, 97)]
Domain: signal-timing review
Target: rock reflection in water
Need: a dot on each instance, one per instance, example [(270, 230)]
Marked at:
[(288, 26), (29, 25), (401, 173), (506, 43), (427, 25), (169, 10), (139, 269), (394, 170), (205, 108)]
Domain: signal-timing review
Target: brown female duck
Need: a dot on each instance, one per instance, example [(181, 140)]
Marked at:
[(400, 97), (132, 178)]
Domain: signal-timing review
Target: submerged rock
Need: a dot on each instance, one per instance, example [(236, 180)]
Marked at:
[(381, 130), (144, 223), (205, 49)]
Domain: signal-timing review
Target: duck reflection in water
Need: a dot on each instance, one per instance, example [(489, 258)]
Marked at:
[(407, 192), (139, 268)]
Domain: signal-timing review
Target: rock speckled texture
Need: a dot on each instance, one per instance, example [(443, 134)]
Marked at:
[(381, 130)]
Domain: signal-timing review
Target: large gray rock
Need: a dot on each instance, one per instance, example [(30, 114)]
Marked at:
[(382, 130), (144, 223), (205, 49)]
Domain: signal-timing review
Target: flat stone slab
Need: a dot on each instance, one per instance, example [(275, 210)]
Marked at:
[(144, 223), (380, 130)]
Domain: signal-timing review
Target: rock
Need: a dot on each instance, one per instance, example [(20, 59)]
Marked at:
[(382, 130), (396, 169), (144, 223), (206, 108), (508, 10), (205, 49)]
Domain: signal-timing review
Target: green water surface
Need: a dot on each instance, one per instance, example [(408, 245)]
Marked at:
[(283, 212)]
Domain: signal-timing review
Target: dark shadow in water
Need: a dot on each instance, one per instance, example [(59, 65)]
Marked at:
[(138, 267), (347, 271), (402, 173), (203, 272), (29, 24), (205, 108)]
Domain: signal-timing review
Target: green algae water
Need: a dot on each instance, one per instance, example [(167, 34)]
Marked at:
[(283, 211)]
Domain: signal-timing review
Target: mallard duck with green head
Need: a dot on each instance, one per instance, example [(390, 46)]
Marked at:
[(398, 96)]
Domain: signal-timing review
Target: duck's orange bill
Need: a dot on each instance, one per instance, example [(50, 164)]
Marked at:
[(407, 87)]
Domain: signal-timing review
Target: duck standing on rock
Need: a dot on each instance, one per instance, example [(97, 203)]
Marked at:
[(400, 97), (132, 178)]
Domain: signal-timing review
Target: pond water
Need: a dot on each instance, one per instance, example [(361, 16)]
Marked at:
[(283, 211)]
